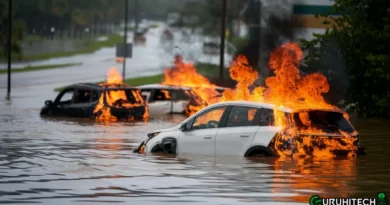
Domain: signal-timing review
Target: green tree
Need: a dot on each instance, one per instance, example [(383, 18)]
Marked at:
[(16, 33), (357, 44)]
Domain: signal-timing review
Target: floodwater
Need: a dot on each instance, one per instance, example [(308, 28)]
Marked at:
[(70, 161)]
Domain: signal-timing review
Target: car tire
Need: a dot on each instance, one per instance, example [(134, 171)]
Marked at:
[(259, 151), (168, 145)]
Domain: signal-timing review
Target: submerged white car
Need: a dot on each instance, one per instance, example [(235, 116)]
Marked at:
[(168, 99), (164, 99), (246, 129)]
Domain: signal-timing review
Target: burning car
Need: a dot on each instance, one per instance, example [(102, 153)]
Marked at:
[(165, 99), (112, 100), (248, 129), (92, 100)]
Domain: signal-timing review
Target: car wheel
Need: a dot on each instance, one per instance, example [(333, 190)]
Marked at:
[(259, 151), (168, 145), (259, 154)]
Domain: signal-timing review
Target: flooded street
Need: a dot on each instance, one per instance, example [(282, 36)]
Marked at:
[(72, 161)]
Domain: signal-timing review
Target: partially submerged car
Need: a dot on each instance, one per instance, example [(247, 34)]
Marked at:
[(139, 37), (247, 129), (165, 99), (82, 99)]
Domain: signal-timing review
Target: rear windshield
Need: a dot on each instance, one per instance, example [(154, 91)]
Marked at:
[(329, 122), (123, 97)]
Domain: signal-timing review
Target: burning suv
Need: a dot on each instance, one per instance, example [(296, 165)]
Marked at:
[(166, 99), (244, 128), (97, 101)]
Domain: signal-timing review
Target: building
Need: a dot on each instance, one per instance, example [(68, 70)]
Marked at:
[(304, 18)]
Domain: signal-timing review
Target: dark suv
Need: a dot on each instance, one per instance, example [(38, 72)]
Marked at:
[(88, 99)]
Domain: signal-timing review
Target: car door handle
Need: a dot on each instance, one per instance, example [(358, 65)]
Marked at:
[(207, 137), (244, 135)]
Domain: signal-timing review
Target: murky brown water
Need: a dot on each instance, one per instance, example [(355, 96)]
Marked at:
[(68, 161)]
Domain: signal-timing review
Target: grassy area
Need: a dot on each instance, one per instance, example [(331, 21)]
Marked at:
[(145, 80), (32, 38), (211, 70), (89, 46), (238, 42), (34, 68), (204, 69)]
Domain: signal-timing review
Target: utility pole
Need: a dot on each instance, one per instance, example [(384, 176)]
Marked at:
[(260, 36), (125, 39), (9, 48), (222, 46), (136, 15)]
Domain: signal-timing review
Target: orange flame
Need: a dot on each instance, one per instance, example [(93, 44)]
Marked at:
[(117, 98), (288, 88), (185, 74)]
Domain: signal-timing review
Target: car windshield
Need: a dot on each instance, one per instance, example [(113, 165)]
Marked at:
[(329, 122), (123, 97)]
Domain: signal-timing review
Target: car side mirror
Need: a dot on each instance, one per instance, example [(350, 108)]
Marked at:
[(48, 102)]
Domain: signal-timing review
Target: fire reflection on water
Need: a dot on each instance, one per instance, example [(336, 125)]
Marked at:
[(332, 178)]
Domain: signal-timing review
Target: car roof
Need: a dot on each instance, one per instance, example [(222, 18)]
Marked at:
[(271, 106), (161, 86), (100, 86)]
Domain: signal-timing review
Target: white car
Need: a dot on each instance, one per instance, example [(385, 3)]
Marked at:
[(164, 99), (245, 129)]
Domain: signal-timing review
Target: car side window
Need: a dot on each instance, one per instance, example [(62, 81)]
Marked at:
[(179, 95), (161, 94), (241, 116), (95, 96), (209, 119), (266, 117), (82, 96), (66, 97)]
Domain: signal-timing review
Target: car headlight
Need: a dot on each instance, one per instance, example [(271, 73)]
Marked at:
[(153, 134)]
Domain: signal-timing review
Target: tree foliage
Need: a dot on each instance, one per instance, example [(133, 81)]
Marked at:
[(17, 31), (355, 55)]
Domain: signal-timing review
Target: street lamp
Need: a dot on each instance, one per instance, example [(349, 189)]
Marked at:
[(125, 39), (222, 46), (9, 48)]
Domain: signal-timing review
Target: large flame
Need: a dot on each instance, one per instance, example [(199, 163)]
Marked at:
[(185, 74), (288, 88), (116, 98)]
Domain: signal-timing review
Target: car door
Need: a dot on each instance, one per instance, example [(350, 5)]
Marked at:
[(180, 101), (236, 136), (81, 104), (159, 102), (199, 139), (63, 102), (267, 129)]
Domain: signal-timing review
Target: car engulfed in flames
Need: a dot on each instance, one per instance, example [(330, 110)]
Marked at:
[(315, 127), (320, 133), (185, 74), (120, 101)]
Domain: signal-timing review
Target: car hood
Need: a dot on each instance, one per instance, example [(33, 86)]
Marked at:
[(169, 129)]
